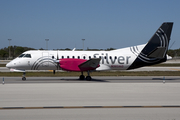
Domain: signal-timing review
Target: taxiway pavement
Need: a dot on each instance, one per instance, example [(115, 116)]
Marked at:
[(95, 79), (38, 93)]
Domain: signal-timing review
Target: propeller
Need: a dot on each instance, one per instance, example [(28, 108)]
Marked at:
[(57, 62)]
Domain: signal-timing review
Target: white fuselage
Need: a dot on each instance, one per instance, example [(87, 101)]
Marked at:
[(119, 59)]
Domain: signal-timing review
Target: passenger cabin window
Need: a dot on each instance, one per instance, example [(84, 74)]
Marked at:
[(28, 56), (67, 56), (84, 57), (89, 57), (20, 56), (62, 57), (78, 57), (72, 56)]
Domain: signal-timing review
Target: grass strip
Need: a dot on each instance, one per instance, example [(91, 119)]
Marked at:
[(2, 65), (117, 73), (167, 65)]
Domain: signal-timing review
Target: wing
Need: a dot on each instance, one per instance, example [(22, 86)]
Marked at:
[(91, 64)]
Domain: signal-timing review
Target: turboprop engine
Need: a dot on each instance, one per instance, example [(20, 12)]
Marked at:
[(71, 64)]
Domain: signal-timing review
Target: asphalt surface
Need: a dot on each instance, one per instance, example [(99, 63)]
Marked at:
[(127, 98)]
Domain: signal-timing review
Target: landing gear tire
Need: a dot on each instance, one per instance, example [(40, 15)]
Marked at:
[(88, 78), (81, 77), (23, 78)]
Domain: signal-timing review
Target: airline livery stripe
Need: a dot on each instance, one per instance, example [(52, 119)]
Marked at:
[(81, 107)]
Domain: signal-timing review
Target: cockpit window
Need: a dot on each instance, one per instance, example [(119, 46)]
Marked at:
[(28, 56), (25, 55), (20, 56)]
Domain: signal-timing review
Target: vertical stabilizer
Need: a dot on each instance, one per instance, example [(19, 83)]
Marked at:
[(155, 50)]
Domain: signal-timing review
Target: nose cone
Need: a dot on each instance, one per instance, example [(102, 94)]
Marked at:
[(9, 65)]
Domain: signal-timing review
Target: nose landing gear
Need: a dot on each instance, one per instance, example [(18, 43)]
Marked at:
[(24, 76)]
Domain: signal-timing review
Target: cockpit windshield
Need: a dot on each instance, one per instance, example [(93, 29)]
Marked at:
[(25, 56), (20, 56), (28, 56)]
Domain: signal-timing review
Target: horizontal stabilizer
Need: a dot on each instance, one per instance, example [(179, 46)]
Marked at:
[(159, 52)]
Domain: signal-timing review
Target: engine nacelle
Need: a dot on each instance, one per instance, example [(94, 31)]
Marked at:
[(70, 64)]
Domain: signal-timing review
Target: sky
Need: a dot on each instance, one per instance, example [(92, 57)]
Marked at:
[(102, 23)]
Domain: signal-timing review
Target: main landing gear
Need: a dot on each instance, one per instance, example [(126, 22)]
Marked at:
[(82, 77), (24, 76)]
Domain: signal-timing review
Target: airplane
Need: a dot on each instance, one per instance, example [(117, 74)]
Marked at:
[(153, 52)]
